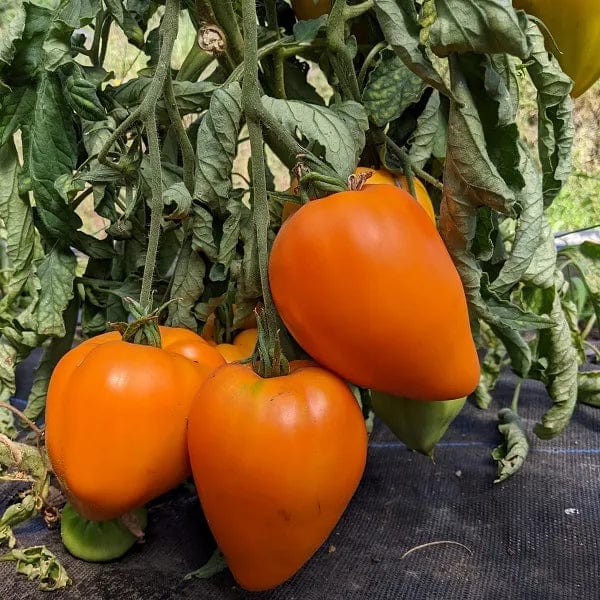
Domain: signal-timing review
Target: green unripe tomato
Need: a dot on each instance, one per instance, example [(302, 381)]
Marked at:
[(418, 424), (98, 541)]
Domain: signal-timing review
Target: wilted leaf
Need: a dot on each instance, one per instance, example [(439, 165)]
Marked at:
[(484, 27), (588, 388), (215, 564), (216, 147), (39, 564), (429, 137), (56, 272), (400, 26), (511, 454)]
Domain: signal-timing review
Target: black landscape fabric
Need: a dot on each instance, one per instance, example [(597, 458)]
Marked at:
[(535, 536)]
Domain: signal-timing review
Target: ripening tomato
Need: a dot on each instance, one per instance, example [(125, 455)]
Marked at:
[(116, 418), (365, 284), (575, 28), (275, 462)]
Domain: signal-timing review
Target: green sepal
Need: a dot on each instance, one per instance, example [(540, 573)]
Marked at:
[(101, 541), (417, 423)]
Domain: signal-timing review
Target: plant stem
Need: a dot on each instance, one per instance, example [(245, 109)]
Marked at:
[(168, 30), (356, 10), (225, 18), (278, 72), (514, 406), (155, 209), (187, 151), (340, 57), (375, 50), (95, 49), (24, 417), (253, 110), (403, 156)]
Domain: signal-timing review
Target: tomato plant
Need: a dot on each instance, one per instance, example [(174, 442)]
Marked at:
[(275, 463), (116, 419), (390, 243), (122, 184)]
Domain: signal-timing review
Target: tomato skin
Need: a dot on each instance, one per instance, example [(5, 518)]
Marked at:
[(575, 27), (309, 9), (275, 462), (365, 284), (242, 347), (116, 419)]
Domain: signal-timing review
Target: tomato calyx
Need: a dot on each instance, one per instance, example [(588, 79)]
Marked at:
[(143, 329), (356, 181), (312, 184), (268, 359)]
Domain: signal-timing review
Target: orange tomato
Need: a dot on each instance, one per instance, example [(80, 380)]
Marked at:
[(365, 284), (275, 462), (242, 347), (116, 418)]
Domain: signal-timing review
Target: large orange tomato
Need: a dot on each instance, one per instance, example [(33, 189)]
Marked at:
[(275, 462), (116, 418), (365, 284), (242, 346)]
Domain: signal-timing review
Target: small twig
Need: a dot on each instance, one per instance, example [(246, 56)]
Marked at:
[(435, 544), (39, 432)]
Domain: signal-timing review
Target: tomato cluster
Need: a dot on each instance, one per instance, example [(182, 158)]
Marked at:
[(275, 460)]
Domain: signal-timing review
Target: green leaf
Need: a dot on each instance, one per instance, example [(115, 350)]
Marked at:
[(340, 129), (511, 454), (296, 84), (215, 564), (72, 15), (391, 89), (484, 27), (517, 348), (12, 25), (555, 115), (192, 97), (53, 352), (178, 200), (17, 217), (15, 108), (556, 347), (491, 366), (306, 31), (15, 346), (529, 230), (588, 387), (52, 152), (216, 147), (127, 22), (56, 272), (82, 97), (188, 286), (400, 26), (203, 236), (429, 137), (39, 564), (586, 258), (229, 240), (95, 134)]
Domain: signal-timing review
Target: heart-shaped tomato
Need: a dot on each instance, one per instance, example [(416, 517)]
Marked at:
[(275, 462), (365, 284)]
